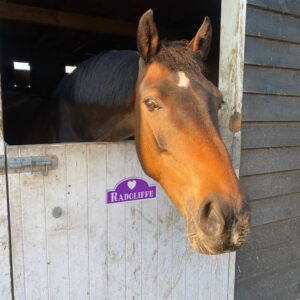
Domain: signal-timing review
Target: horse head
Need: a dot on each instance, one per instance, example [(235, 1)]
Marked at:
[(178, 140)]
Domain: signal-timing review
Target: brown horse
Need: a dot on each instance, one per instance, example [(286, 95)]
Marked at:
[(161, 96)]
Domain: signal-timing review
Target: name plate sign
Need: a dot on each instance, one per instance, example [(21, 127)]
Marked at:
[(131, 189)]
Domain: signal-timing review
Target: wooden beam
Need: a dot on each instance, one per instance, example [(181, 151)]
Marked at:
[(55, 18), (231, 70)]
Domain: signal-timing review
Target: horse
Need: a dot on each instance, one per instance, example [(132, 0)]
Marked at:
[(160, 95)]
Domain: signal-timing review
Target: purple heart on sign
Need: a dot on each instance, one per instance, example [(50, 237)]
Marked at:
[(131, 189)]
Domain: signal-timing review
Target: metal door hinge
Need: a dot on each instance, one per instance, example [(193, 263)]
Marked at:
[(29, 164)]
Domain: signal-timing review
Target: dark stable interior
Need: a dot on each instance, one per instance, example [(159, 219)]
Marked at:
[(48, 48)]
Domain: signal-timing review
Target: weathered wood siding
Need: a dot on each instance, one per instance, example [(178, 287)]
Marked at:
[(132, 250), (268, 267), (231, 68)]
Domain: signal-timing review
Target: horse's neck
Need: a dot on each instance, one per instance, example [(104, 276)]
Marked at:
[(118, 127)]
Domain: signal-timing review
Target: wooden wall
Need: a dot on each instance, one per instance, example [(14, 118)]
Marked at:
[(268, 267)]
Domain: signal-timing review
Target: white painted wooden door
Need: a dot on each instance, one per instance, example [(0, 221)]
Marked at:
[(94, 250), (5, 270)]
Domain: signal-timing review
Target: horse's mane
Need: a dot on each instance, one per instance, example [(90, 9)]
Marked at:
[(107, 79)]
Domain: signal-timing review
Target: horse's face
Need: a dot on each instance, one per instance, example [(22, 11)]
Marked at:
[(178, 141)]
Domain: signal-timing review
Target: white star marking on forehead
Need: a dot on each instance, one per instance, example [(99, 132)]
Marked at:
[(183, 80)]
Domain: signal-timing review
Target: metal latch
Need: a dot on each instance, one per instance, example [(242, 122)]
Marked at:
[(29, 164)]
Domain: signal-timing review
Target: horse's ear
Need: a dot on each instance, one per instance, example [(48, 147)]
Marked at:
[(147, 36), (202, 39)]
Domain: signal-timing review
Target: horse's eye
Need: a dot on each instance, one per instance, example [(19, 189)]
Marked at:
[(151, 104)]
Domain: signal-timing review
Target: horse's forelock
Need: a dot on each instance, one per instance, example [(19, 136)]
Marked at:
[(176, 56)]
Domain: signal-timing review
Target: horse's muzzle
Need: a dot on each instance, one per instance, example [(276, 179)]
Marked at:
[(218, 226)]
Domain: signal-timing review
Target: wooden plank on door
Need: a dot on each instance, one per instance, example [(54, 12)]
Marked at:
[(165, 246), (149, 245), (192, 281), (76, 169), (5, 272), (5, 268), (180, 253), (205, 268), (116, 225), (97, 220), (16, 224), (133, 225), (57, 226), (219, 275), (34, 229)]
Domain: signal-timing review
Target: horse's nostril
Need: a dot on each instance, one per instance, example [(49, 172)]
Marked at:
[(211, 220), (207, 209)]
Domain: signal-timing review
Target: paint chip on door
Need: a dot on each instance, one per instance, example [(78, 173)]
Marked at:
[(131, 189)]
